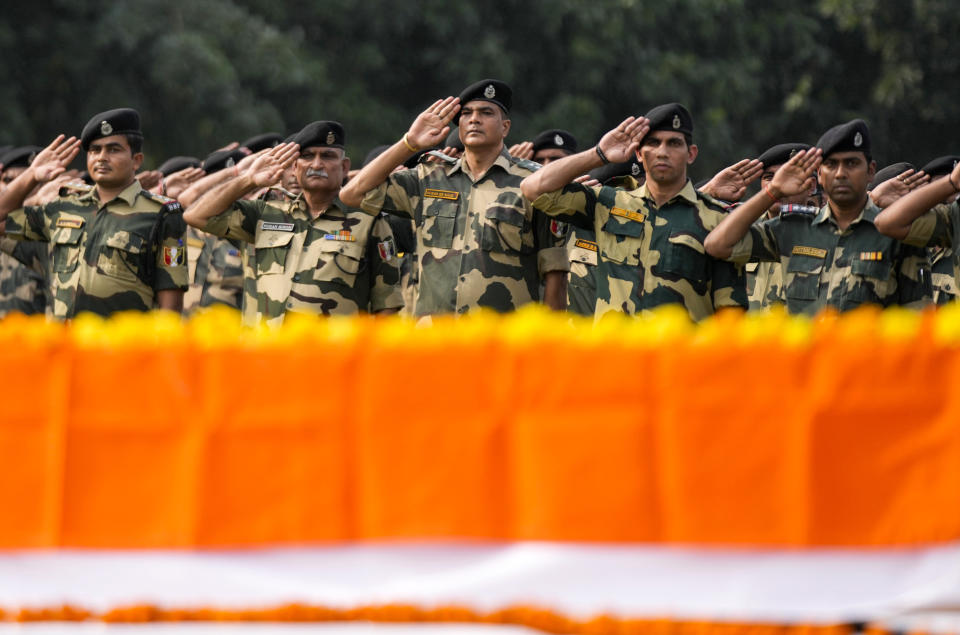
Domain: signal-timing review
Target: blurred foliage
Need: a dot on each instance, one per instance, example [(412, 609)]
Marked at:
[(754, 73)]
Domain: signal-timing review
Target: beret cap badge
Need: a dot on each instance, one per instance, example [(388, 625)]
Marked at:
[(634, 169), (557, 139), (857, 140), (489, 92), (331, 137), (105, 128), (676, 121)]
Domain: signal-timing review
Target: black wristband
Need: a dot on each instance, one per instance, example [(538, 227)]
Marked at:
[(602, 156), (952, 184)]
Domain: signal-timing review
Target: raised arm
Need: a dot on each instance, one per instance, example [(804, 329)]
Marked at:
[(50, 163), (428, 129), (895, 220), (793, 177), (730, 184), (616, 146), (264, 171)]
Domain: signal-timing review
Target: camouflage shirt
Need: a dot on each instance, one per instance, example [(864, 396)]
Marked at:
[(22, 283), (107, 257), (941, 275), (939, 228), (219, 272), (341, 262), (764, 284), (826, 266), (478, 241), (649, 255), (581, 246)]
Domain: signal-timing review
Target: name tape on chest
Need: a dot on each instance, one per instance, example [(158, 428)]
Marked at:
[(72, 223), (343, 235), (585, 244), (871, 255), (629, 214), (799, 250), (276, 227), (444, 194)]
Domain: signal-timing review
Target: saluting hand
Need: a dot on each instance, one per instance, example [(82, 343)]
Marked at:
[(149, 179), (619, 144), (522, 150), (796, 176), (730, 183), (890, 190), (180, 180), (431, 127), (269, 166), (53, 160)]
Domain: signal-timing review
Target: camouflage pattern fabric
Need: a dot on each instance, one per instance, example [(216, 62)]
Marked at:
[(477, 242), (581, 247), (219, 273), (826, 266), (941, 275), (764, 285), (938, 228), (650, 256), (107, 257), (339, 263), (405, 233), (22, 287), (194, 248)]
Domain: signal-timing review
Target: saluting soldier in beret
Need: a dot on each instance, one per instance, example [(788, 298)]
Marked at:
[(478, 243), (929, 217), (650, 240), (317, 255), (833, 256), (22, 286), (116, 247)]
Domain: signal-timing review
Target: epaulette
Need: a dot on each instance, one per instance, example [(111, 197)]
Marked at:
[(75, 187), (446, 158), (717, 204), (625, 182), (171, 204), (527, 164), (799, 211)]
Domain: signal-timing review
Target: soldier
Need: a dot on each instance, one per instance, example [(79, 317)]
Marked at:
[(477, 239), (116, 247), (929, 217), (317, 255), (834, 257), (22, 286), (650, 240)]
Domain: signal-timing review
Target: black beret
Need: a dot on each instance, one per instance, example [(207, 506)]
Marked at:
[(492, 90), (941, 165), (671, 117), (175, 164), (453, 140), (373, 154), (19, 157), (222, 159), (262, 141), (5, 149), (125, 121), (780, 154), (605, 173), (853, 136), (889, 172), (559, 139), (321, 133)]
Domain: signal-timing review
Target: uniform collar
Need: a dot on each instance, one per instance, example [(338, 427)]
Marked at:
[(503, 160), (868, 213), (299, 204), (128, 195), (688, 193)]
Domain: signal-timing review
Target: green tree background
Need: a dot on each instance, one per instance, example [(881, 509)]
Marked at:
[(754, 73)]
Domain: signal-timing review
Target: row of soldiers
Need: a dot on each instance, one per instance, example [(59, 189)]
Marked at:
[(448, 221)]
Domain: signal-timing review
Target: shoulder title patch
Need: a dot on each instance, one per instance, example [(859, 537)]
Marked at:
[(444, 194), (625, 213), (585, 244), (816, 252)]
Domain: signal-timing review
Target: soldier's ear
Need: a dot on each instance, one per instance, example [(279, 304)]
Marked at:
[(871, 169), (506, 127), (137, 161), (346, 164), (692, 152)]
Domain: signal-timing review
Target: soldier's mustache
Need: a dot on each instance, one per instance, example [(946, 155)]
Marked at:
[(321, 173)]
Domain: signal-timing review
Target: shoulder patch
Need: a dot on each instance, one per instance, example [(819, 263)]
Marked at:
[(527, 164), (72, 222), (799, 211)]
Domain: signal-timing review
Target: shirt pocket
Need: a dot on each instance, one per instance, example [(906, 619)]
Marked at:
[(583, 255), (65, 242), (872, 280), (271, 249), (506, 230), (685, 258), (340, 262), (439, 221), (121, 256), (620, 241), (802, 281)]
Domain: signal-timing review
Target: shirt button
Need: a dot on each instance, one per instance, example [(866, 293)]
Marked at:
[(463, 278), (296, 277)]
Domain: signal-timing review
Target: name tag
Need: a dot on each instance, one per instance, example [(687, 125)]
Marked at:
[(809, 251), (586, 244), (871, 255), (344, 236), (445, 194), (625, 213), (72, 223), (276, 227)]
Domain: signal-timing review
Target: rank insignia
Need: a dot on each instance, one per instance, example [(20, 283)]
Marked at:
[(105, 128), (343, 235), (558, 228), (72, 223), (585, 244), (489, 92), (387, 249), (676, 122), (173, 256), (557, 139), (625, 213)]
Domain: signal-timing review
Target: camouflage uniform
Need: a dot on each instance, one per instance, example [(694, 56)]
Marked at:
[(194, 248), (939, 228), (941, 275), (107, 257), (339, 263), (478, 243), (404, 232), (826, 266), (650, 256), (764, 284), (219, 272), (581, 247), (22, 289)]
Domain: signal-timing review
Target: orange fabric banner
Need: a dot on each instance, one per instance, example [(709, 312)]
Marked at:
[(143, 431)]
